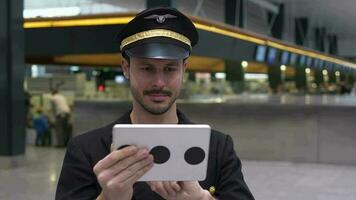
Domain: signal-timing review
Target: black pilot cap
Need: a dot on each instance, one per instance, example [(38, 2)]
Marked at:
[(162, 33)]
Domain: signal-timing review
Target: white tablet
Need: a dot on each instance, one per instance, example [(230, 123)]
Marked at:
[(180, 151)]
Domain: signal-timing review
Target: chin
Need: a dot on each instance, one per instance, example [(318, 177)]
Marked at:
[(157, 110)]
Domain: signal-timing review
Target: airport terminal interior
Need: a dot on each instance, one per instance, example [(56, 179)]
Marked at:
[(278, 76)]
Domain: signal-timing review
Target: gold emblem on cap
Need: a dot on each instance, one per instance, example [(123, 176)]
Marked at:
[(212, 189), (161, 18), (155, 33)]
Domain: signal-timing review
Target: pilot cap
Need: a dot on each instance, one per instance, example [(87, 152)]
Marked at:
[(162, 33)]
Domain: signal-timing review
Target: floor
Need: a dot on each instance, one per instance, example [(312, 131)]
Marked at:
[(295, 181), (267, 180)]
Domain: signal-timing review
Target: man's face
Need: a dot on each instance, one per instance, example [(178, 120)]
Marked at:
[(155, 83)]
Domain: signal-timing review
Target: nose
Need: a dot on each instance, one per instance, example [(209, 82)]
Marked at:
[(158, 80)]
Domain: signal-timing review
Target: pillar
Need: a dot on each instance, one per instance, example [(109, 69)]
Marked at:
[(301, 30), (12, 69), (274, 78), (320, 36), (333, 44), (277, 22), (300, 78), (235, 9), (235, 76)]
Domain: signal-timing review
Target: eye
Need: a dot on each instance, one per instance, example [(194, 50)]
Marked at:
[(145, 68), (170, 69)]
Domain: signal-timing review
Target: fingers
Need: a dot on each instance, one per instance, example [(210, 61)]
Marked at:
[(135, 168), (159, 188), (140, 173), (175, 186), (132, 174), (166, 189), (114, 157), (131, 180), (138, 160), (178, 190), (169, 189), (185, 184), (117, 172)]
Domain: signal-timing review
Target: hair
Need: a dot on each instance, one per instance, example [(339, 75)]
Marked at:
[(124, 55), (54, 91)]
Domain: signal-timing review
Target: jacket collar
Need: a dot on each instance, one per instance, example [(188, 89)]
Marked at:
[(125, 118)]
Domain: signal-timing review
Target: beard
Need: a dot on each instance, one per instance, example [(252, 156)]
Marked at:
[(154, 108)]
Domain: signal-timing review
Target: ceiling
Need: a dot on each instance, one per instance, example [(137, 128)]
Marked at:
[(337, 15)]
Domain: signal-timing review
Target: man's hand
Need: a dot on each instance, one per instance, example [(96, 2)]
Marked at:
[(187, 190), (118, 171)]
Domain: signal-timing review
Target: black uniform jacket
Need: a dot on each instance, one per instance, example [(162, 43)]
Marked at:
[(78, 181)]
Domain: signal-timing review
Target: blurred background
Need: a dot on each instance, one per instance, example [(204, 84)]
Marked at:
[(279, 76)]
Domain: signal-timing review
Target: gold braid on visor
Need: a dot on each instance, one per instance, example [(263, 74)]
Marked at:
[(155, 33)]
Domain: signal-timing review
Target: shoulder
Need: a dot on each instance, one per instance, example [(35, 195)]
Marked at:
[(94, 144), (221, 147), (101, 136), (220, 139), (222, 150), (93, 136)]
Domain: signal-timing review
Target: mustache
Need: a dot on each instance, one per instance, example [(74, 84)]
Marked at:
[(157, 91)]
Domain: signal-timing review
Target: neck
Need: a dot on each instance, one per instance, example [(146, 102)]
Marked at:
[(141, 116)]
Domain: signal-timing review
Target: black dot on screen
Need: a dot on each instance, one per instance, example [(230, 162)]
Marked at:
[(160, 154), (194, 155)]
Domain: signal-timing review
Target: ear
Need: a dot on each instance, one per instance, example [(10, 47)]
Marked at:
[(185, 62), (125, 68)]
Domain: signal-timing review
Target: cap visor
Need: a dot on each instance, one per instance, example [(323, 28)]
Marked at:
[(158, 51)]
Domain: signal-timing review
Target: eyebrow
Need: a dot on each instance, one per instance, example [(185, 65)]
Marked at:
[(146, 64), (175, 63)]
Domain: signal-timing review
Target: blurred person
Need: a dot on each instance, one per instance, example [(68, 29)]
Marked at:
[(344, 88), (154, 46), (353, 90), (41, 125), (61, 112)]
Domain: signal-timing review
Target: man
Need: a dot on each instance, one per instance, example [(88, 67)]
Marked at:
[(61, 113), (155, 46)]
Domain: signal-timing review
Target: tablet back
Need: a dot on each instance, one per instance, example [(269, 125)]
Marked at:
[(180, 150)]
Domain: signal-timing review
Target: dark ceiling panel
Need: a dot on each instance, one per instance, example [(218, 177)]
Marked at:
[(224, 47), (71, 40), (47, 42)]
